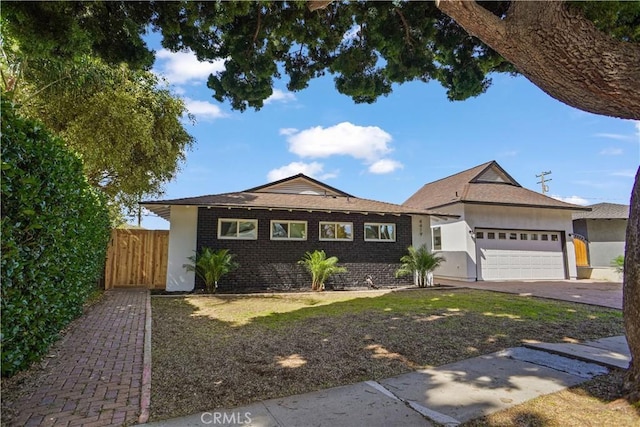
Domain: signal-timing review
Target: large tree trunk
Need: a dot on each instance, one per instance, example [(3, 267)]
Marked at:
[(566, 56), (631, 292), (561, 52)]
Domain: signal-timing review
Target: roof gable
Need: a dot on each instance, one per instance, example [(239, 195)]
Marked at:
[(487, 183), (298, 184), (494, 174)]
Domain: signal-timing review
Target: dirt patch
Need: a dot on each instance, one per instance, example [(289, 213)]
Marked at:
[(216, 352)]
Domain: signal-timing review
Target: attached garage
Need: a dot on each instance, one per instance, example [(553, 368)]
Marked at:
[(519, 255)]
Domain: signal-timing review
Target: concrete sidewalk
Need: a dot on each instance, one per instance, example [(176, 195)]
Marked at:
[(446, 395)]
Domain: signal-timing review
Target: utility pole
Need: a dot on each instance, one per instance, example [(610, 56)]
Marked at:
[(545, 188)]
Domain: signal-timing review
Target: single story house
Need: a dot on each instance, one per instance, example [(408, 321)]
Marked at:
[(603, 229), (501, 230), (269, 228)]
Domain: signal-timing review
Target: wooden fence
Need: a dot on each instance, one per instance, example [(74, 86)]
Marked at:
[(137, 258), (582, 254)]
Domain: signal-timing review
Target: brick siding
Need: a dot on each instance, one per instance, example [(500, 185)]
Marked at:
[(273, 264)]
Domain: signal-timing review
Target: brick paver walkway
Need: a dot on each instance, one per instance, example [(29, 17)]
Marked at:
[(93, 375)]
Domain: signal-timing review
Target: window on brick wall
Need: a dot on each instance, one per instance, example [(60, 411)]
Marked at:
[(336, 230), (380, 232), (232, 228), (288, 230)]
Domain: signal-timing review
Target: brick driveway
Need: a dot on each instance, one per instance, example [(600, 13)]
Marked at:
[(93, 376), (606, 294)]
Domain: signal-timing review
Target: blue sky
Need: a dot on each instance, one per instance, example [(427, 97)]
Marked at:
[(386, 151)]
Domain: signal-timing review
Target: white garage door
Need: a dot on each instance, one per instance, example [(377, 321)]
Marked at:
[(519, 255)]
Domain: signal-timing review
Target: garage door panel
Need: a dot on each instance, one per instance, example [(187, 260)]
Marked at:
[(505, 259)]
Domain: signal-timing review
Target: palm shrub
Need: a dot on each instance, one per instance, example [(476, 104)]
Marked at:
[(320, 267), (618, 263), (419, 262), (210, 265)]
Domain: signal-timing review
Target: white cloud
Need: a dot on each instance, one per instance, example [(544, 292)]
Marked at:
[(369, 143), (617, 136), (383, 166), (637, 124), (204, 110), (628, 173), (280, 96), (288, 131), (313, 169), (576, 200), (611, 151), (183, 67)]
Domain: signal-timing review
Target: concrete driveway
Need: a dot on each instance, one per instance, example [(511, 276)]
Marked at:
[(606, 294)]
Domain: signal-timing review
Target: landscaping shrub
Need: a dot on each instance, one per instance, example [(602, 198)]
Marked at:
[(320, 267), (55, 230)]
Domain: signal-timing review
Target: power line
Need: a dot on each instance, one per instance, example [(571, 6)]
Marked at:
[(545, 188)]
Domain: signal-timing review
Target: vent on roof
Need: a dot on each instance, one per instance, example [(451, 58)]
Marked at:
[(492, 175)]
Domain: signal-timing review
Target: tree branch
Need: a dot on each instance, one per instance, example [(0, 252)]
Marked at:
[(561, 52)]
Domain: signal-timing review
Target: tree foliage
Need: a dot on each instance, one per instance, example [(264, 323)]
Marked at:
[(55, 230), (126, 128), (585, 54)]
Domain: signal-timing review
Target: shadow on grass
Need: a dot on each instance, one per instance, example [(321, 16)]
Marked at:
[(229, 350)]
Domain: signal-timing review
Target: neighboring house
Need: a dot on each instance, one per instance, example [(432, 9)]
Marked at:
[(503, 231), (269, 228), (603, 229)]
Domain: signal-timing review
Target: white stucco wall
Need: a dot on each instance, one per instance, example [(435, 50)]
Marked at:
[(420, 231), (456, 246), (459, 247), (182, 244), (519, 218), (606, 240)]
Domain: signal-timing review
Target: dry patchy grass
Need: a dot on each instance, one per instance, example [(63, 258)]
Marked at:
[(594, 403), (223, 351)]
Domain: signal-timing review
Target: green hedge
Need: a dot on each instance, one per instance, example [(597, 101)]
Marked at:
[(55, 230)]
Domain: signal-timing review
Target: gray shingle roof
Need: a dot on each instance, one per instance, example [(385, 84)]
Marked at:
[(465, 187), (264, 198), (604, 211)]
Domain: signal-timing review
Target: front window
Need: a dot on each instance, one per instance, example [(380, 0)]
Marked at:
[(238, 229), (288, 230), (336, 231), (437, 239), (380, 232)]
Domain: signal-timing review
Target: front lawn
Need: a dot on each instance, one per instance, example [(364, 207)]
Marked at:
[(227, 350)]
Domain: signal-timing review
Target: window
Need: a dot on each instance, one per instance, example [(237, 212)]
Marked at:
[(513, 236), (502, 236), (554, 237), (336, 230), (238, 229), (524, 236), (491, 235), (544, 237), (288, 230), (480, 234), (384, 232), (534, 236), (437, 239)]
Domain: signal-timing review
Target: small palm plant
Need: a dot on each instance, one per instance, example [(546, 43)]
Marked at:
[(320, 267), (210, 265), (618, 263), (419, 262)]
